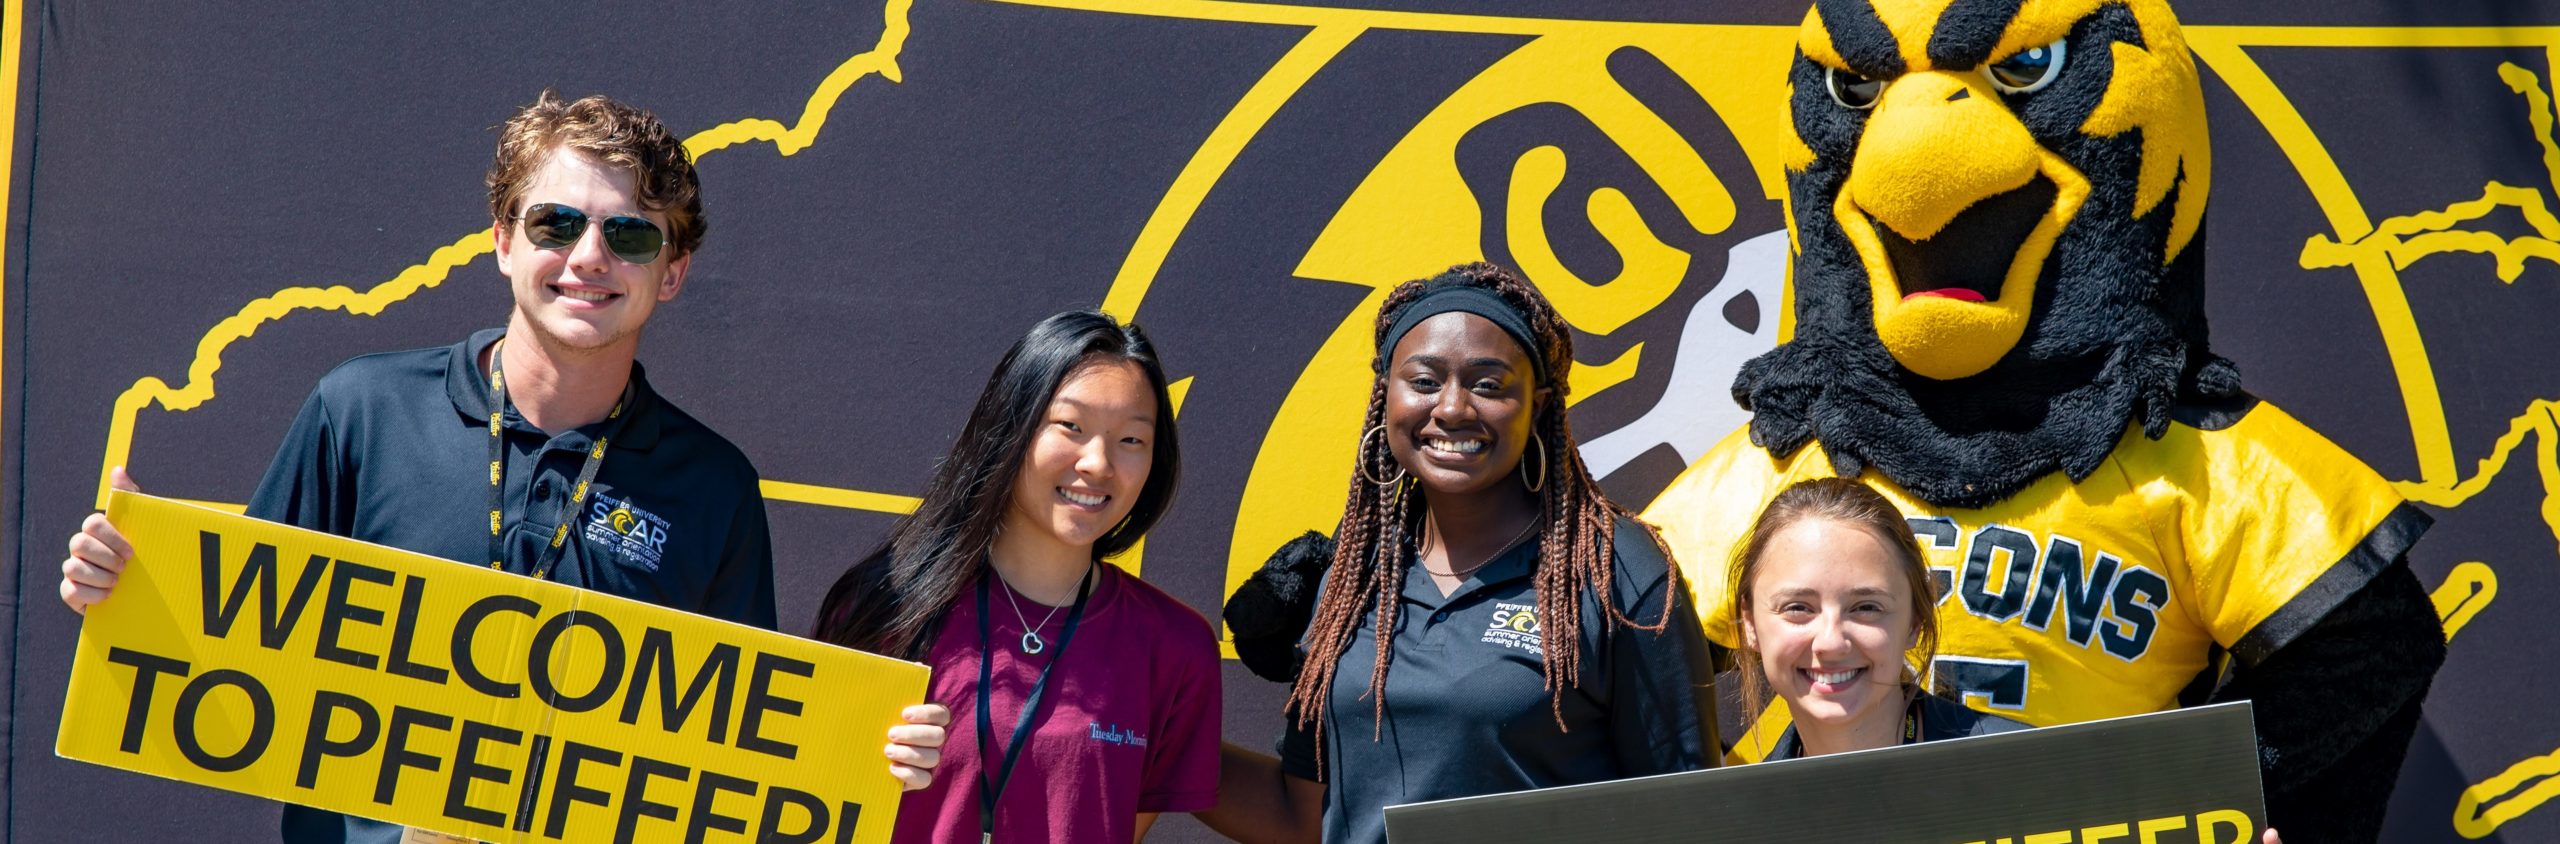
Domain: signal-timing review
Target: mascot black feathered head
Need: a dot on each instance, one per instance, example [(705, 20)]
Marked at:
[(1997, 211)]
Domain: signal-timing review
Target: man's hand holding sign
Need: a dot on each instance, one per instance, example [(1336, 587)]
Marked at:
[(334, 673)]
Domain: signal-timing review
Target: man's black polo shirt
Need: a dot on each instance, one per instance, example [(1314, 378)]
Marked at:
[(393, 449), (1468, 713)]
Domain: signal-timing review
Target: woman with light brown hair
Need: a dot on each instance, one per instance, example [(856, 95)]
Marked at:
[(1834, 607)]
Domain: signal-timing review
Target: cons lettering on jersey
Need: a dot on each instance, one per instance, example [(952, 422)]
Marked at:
[(332, 673), (2089, 597)]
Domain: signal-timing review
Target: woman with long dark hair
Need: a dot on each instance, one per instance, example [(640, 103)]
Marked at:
[(1083, 700), (1489, 620)]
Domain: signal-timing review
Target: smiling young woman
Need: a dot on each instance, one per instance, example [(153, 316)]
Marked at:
[(1083, 700), (1835, 604), (1489, 620)]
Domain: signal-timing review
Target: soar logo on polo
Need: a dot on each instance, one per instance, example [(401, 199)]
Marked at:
[(639, 536), (1514, 626)]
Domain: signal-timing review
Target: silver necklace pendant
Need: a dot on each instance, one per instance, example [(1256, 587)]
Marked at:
[(1031, 643)]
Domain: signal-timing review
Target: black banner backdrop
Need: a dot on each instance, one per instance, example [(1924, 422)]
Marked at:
[(210, 206)]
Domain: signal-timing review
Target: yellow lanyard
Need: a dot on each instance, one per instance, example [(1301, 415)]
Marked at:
[(498, 471)]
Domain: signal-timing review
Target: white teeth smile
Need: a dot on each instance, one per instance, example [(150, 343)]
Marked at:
[(585, 295), (1455, 446), (1085, 500), (1833, 678)]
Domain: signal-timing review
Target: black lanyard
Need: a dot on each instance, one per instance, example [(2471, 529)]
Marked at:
[(1911, 722), (989, 790), (498, 471)]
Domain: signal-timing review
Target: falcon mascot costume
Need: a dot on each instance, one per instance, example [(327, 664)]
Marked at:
[(1996, 209)]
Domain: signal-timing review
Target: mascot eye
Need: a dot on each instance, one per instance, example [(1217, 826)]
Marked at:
[(2027, 72), (1852, 90)]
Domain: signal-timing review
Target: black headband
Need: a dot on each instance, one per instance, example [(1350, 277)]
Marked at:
[(1472, 300)]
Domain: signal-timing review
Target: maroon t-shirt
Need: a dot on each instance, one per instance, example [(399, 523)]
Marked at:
[(1129, 723)]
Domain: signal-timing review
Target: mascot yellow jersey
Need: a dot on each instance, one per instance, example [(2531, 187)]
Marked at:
[(2075, 601), (1996, 224), (1997, 218)]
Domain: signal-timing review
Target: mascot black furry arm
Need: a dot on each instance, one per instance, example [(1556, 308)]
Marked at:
[(1997, 211)]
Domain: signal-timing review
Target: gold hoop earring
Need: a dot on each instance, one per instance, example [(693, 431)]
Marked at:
[(1363, 456), (1541, 482)]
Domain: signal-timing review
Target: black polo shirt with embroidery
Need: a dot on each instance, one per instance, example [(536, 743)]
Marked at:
[(393, 449), (1467, 709)]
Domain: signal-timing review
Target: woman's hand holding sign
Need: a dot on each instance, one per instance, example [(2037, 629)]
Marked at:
[(915, 748), (98, 555)]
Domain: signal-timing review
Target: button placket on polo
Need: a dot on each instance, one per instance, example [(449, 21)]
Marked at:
[(1455, 607), (1433, 612), (1430, 619), (537, 509), (557, 470), (1487, 586)]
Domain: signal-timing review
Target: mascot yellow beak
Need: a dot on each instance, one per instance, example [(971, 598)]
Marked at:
[(1996, 212), (1970, 129), (1953, 207)]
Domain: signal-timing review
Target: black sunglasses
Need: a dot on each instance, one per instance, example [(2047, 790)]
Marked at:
[(551, 225)]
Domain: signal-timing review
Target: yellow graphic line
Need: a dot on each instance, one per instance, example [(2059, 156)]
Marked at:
[(2537, 113), (244, 324), (882, 59), (2531, 783), (1191, 187), (2541, 420), (877, 502), (2379, 36), (2401, 241), (1320, 16), (12, 52), (1312, 16), (2337, 200), (2467, 590), (1216, 154), (2408, 238), (1134, 559), (1588, 379)]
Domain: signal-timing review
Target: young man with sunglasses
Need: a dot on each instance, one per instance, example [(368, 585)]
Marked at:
[(598, 482)]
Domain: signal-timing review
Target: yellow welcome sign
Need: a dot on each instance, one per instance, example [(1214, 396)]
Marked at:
[(320, 670)]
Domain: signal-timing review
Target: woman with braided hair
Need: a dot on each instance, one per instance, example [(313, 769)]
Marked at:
[(1489, 621)]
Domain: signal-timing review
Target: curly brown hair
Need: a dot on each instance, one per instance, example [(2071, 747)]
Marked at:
[(612, 133), (1577, 521)]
